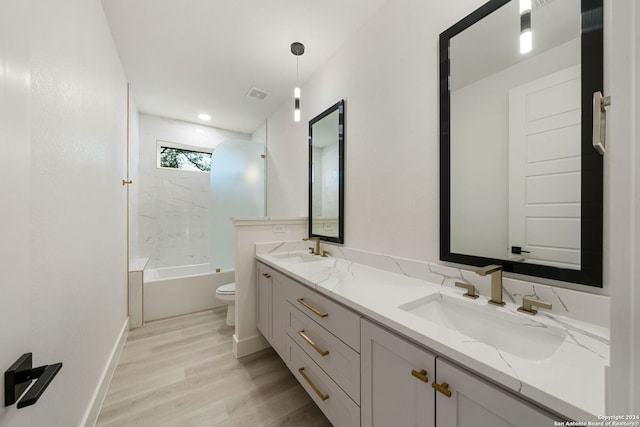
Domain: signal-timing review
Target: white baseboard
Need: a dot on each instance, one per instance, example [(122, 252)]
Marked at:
[(93, 411), (248, 345)]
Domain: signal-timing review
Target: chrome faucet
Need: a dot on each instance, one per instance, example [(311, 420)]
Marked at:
[(496, 282), (315, 251)]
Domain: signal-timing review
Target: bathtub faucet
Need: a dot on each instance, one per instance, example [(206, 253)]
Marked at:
[(315, 251)]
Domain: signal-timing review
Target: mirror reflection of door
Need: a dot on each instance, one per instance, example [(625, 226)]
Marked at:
[(544, 170)]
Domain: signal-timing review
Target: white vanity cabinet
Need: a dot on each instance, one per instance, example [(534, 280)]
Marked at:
[(320, 342), (362, 374), (398, 380)]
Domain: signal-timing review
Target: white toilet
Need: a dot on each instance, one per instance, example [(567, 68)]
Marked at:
[(227, 294)]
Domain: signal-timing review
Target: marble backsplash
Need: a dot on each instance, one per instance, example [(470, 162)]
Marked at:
[(581, 306)]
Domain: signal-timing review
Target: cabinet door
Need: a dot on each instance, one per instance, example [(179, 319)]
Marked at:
[(263, 306), (475, 403), (279, 314), (395, 375)]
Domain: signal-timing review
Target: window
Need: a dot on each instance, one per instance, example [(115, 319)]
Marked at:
[(177, 156)]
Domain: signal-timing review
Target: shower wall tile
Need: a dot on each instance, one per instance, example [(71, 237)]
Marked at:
[(173, 205)]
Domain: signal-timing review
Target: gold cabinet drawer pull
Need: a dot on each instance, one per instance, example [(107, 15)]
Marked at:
[(442, 388), (313, 386), (312, 344), (422, 375), (266, 275), (315, 311)]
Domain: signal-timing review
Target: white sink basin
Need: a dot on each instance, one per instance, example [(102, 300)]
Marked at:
[(507, 332), (297, 257)]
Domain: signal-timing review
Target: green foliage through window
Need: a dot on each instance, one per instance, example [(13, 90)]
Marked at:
[(178, 158)]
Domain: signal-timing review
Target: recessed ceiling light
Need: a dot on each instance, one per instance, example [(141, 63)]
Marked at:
[(205, 117)]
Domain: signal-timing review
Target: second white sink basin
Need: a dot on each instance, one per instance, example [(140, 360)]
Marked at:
[(505, 331), (297, 257)]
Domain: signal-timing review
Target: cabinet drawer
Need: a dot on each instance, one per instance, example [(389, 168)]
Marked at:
[(330, 398), (341, 322), (336, 358)]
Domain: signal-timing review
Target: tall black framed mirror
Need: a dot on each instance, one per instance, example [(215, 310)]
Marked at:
[(326, 174), (520, 182)]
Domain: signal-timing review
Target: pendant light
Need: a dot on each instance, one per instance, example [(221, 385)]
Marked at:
[(525, 26), (297, 49)]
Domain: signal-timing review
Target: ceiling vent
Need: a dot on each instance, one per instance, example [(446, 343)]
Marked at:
[(537, 4), (258, 94)]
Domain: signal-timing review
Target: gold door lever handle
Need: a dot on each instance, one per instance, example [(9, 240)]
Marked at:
[(422, 375), (442, 388), (124, 182)]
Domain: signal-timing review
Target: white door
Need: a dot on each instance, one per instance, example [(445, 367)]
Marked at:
[(474, 403), (544, 170), (15, 195), (396, 381), (264, 293)]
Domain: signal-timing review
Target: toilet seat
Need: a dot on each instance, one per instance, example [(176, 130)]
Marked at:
[(228, 289)]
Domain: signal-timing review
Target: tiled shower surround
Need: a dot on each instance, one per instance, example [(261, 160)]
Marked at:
[(173, 205)]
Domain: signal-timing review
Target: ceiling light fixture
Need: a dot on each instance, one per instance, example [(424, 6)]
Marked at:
[(525, 26), (297, 49), (205, 117)]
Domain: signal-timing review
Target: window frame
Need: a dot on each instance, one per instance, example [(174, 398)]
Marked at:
[(160, 143)]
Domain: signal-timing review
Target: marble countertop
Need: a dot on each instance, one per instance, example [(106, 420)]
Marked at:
[(570, 381)]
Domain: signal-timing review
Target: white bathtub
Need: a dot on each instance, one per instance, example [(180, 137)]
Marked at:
[(173, 291)]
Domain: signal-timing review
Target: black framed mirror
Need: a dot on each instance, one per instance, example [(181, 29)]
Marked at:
[(326, 174), (520, 183)]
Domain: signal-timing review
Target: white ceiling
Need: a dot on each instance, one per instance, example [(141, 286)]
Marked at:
[(492, 44), (185, 57)]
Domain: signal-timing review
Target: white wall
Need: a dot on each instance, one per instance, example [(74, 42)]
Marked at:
[(174, 205), (247, 338), (63, 251), (622, 203), (387, 72)]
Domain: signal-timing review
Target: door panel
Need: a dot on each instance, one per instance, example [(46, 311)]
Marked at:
[(544, 169), (475, 403)]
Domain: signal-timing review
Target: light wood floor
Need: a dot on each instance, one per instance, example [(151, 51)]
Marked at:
[(182, 372)]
